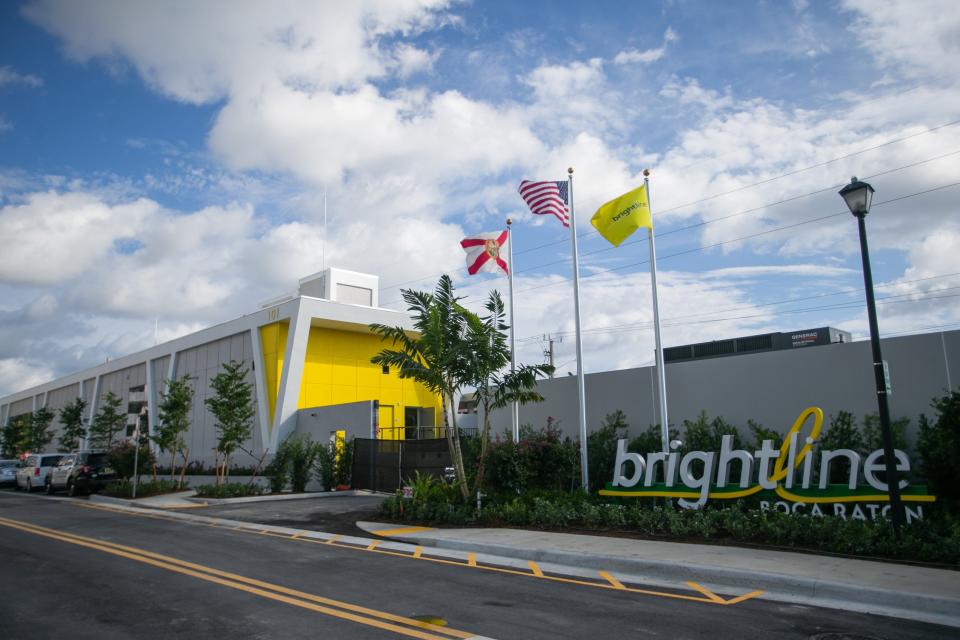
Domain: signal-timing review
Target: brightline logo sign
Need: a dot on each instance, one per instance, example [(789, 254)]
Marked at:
[(693, 492)]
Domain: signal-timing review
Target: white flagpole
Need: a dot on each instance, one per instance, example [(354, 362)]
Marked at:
[(584, 472), (661, 373), (323, 247), (515, 409)]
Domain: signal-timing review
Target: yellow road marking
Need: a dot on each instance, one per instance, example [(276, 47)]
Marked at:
[(472, 559), (332, 541), (746, 596), (296, 535), (373, 545), (401, 531), (606, 575), (535, 568), (710, 594), (418, 551), (243, 583)]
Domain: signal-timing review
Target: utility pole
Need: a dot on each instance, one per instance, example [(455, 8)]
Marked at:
[(548, 352)]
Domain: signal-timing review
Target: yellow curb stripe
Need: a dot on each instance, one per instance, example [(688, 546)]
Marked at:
[(535, 568), (472, 559), (606, 575), (296, 535), (706, 592), (333, 538), (183, 566), (746, 596), (401, 531), (418, 552), (373, 545)]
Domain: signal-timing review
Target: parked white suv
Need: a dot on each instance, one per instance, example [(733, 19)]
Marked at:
[(33, 473)]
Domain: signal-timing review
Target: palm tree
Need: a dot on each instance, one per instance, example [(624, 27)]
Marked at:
[(489, 356), (438, 357)]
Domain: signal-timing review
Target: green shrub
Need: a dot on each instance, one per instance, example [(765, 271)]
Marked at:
[(122, 457), (229, 490), (938, 444), (602, 448), (124, 488)]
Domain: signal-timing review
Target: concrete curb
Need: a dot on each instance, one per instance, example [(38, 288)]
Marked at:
[(283, 496), (781, 587)]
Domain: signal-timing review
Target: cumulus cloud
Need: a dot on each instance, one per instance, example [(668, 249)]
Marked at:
[(893, 34)]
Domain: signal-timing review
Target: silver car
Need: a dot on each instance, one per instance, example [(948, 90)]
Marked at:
[(8, 472), (35, 468)]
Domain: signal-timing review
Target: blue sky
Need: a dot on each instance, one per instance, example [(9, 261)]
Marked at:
[(165, 164)]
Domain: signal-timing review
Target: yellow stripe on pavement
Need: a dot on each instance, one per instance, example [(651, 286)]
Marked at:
[(264, 589)]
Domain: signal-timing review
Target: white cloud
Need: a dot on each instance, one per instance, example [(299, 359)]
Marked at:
[(204, 52), (17, 373), (633, 56), (918, 38), (8, 76), (411, 60)]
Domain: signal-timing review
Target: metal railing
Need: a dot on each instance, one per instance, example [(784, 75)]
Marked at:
[(420, 433)]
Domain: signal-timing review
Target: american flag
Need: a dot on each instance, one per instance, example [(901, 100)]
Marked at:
[(547, 198)]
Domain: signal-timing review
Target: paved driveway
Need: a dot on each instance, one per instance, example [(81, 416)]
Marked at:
[(335, 514)]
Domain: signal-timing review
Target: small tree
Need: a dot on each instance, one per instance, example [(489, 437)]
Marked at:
[(436, 356), (16, 434), (71, 422), (108, 422), (39, 434), (232, 408), (174, 409), (489, 355)]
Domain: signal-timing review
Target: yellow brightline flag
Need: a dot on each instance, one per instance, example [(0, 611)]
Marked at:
[(619, 218)]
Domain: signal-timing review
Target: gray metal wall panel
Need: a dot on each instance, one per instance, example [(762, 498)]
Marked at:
[(202, 363), (951, 346), (20, 407), (88, 390), (320, 422), (771, 388), (56, 400)]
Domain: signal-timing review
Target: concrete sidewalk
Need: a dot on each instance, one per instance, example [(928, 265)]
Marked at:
[(903, 591)]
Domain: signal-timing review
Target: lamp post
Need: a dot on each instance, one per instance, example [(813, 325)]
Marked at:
[(858, 196)]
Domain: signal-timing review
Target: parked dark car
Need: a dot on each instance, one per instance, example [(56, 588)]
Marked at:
[(8, 472), (84, 472)]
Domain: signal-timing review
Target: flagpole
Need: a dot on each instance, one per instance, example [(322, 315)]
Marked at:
[(584, 472), (515, 409), (661, 373)]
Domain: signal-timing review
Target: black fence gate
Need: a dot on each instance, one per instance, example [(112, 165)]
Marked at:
[(386, 465)]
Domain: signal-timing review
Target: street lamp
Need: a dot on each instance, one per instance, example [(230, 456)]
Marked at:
[(858, 196)]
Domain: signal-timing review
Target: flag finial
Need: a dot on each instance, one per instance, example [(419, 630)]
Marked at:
[(570, 170), (646, 173), (509, 221)]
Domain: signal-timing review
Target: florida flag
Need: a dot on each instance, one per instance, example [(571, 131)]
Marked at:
[(487, 252)]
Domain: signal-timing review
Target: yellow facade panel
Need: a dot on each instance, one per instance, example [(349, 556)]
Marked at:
[(338, 371)]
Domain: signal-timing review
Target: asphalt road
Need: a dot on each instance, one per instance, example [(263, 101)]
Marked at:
[(71, 569)]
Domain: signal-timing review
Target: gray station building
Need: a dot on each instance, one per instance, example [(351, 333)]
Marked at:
[(769, 378)]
